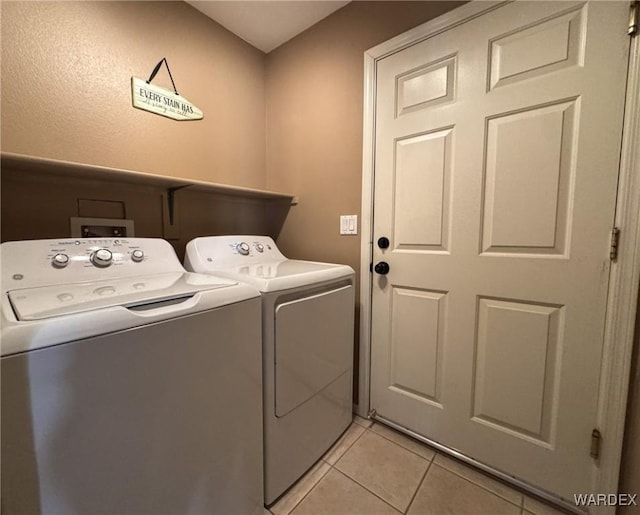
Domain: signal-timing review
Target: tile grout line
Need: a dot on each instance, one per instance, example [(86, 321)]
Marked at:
[(432, 461), (351, 445), (312, 487), (521, 505), (406, 448), (365, 487), (329, 469), (366, 420), (424, 477), (372, 493)]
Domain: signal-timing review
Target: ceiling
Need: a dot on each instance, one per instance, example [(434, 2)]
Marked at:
[(267, 24)]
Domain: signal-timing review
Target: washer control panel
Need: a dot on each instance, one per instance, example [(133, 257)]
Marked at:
[(100, 253), (72, 260)]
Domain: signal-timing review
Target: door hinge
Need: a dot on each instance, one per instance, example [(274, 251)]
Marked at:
[(633, 18), (372, 414), (615, 238), (596, 438)]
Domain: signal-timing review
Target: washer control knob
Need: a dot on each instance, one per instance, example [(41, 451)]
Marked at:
[(259, 247), (102, 258), (60, 260), (137, 255), (243, 248)]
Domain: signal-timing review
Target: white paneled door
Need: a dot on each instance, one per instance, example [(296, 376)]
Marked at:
[(496, 164)]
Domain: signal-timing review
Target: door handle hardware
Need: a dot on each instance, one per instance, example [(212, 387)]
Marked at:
[(382, 268), (383, 242)]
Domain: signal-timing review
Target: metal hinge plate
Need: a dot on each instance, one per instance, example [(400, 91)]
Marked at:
[(633, 18), (596, 438), (615, 238)]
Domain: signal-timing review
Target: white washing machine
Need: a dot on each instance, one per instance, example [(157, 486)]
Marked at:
[(308, 319), (128, 385)]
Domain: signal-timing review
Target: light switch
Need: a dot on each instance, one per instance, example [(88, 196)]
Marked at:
[(349, 224)]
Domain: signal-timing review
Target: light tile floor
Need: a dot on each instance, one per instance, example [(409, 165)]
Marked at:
[(375, 470)]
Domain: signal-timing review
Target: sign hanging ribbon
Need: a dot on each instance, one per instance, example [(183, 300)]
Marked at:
[(164, 102), (155, 72)]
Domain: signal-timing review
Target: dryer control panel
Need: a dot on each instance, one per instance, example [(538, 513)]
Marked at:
[(45, 262), (230, 251), (260, 246)]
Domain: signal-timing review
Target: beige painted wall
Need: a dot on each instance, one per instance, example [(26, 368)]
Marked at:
[(66, 90), (314, 121)]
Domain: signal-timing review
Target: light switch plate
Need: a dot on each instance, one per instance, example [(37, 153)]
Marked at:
[(349, 224)]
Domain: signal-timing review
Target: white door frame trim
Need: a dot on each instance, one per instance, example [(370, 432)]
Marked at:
[(625, 272)]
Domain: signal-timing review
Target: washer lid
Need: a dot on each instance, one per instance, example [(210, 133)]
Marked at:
[(66, 299), (284, 274)]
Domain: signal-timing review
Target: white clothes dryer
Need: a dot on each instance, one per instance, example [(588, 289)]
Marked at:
[(308, 321), (128, 385)]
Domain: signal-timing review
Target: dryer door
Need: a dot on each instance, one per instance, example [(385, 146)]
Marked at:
[(313, 345)]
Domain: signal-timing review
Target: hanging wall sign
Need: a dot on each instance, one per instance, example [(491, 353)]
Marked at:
[(164, 102)]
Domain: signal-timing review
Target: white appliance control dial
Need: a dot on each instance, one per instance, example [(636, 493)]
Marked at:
[(243, 248), (137, 256), (259, 247), (60, 260), (102, 258)]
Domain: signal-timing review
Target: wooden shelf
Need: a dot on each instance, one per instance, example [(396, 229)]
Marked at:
[(171, 184)]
